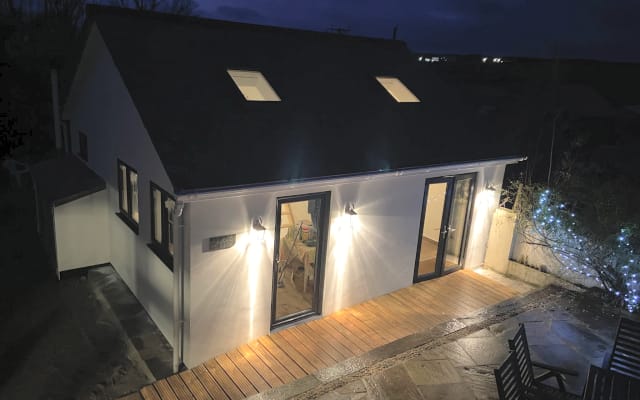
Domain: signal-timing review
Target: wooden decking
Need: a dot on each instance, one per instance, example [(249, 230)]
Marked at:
[(295, 352)]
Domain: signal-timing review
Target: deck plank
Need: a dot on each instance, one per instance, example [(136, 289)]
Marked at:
[(164, 390), (179, 388), (196, 388), (295, 355), (149, 393), (206, 379), (324, 332), (236, 375), (318, 358), (272, 362), (282, 357), (225, 382), (247, 370), (263, 369)]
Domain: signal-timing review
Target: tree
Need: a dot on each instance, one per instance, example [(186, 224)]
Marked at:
[(549, 219), (180, 7)]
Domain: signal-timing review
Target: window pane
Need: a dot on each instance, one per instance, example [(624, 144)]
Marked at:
[(432, 228), (134, 196), (457, 221), (170, 204), (157, 216), (123, 192), (300, 226)]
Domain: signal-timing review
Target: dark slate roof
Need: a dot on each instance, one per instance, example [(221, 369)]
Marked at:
[(62, 180), (334, 117)]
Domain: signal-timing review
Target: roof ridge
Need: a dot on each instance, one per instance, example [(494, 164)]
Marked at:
[(96, 9)]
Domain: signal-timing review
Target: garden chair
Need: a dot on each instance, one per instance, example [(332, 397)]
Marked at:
[(532, 384), (606, 384), (508, 380), (624, 358)]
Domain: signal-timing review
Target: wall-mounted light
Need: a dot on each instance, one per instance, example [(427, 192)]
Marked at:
[(257, 224), (257, 230), (349, 209), (491, 187)]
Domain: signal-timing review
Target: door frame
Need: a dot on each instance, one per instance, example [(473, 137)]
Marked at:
[(319, 268), (450, 180)]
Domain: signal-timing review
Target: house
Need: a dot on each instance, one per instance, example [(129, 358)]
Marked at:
[(255, 177)]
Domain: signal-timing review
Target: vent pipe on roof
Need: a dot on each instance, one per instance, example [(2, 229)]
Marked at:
[(395, 32)]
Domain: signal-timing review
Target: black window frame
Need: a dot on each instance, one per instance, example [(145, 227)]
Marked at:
[(83, 150), (161, 249), (126, 215)]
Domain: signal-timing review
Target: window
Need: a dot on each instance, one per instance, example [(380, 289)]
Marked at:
[(128, 195), (397, 89), (162, 204), (253, 85), (82, 146)]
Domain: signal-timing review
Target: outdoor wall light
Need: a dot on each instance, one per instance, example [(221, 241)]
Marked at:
[(491, 187), (257, 224), (349, 209), (257, 230)]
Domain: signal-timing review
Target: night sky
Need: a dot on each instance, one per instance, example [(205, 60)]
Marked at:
[(590, 29)]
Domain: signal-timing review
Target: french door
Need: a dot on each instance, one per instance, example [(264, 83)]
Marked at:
[(444, 224), (299, 253)]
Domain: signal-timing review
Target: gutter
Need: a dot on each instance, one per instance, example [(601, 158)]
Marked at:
[(236, 191)]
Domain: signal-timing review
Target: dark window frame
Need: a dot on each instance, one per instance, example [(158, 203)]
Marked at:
[(161, 249), (126, 215), (83, 149)]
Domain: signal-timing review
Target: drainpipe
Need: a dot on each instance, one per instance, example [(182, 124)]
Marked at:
[(178, 286), (55, 101)]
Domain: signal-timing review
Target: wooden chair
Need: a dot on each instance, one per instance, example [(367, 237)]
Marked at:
[(606, 384), (533, 384), (624, 358), (508, 380)]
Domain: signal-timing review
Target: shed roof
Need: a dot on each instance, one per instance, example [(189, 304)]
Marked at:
[(64, 179), (334, 118)]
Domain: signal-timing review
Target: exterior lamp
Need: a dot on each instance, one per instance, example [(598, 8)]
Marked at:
[(257, 230), (491, 187), (350, 214), (349, 209)]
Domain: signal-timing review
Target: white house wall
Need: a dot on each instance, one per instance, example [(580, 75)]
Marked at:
[(228, 294), (82, 232), (100, 106)]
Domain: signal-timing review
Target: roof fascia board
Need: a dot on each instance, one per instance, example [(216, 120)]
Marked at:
[(209, 194)]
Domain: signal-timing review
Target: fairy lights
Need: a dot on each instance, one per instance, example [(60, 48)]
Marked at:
[(612, 264)]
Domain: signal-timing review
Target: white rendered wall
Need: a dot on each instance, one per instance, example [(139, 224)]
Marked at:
[(228, 294), (100, 106), (82, 232)]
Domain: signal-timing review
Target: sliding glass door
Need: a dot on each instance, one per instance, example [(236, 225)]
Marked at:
[(443, 228)]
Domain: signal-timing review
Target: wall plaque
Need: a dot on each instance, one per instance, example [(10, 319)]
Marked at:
[(220, 242)]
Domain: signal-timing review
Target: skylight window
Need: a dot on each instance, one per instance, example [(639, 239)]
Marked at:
[(397, 89), (253, 85)]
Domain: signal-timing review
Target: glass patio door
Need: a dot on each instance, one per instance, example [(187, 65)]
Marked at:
[(301, 231), (446, 210)]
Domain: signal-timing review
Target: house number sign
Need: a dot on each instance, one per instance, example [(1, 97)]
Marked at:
[(221, 242)]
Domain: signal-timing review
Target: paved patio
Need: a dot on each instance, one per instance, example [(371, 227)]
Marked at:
[(317, 347)]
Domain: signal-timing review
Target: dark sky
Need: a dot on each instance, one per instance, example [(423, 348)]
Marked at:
[(592, 29)]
